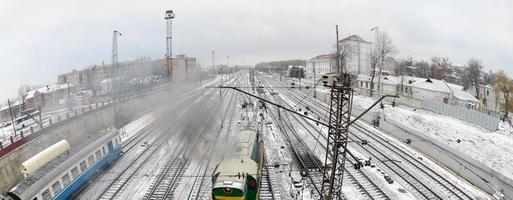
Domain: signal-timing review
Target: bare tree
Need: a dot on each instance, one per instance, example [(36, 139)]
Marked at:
[(504, 85), (488, 78), (440, 67), (473, 74), (343, 56), (422, 69), (381, 49)]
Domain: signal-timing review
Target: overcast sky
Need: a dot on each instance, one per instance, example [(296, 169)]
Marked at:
[(40, 39)]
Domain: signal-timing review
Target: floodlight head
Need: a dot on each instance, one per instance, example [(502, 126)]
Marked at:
[(169, 14)]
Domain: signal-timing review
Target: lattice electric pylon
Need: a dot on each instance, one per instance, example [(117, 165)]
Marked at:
[(115, 79), (339, 121)]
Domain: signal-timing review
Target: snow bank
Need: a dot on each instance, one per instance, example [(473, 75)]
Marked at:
[(134, 127), (493, 149)]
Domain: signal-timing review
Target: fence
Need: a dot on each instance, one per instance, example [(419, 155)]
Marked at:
[(478, 118)]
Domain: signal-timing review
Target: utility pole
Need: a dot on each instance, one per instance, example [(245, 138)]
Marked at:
[(339, 122), (213, 66), (315, 83), (228, 64), (337, 57), (70, 107), (115, 35), (12, 117), (186, 73), (169, 45), (299, 78)]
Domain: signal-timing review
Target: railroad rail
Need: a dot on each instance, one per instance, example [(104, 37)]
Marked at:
[(116, 185), (412, 180), (266, 183)]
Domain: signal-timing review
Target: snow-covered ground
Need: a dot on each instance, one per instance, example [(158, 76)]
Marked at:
[(134, 127), (492, 148), (396, 190)]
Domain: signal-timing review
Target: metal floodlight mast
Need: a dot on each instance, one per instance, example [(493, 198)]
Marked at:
[(169, 44)]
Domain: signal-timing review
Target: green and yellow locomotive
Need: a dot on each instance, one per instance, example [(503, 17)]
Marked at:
[(238, 177)]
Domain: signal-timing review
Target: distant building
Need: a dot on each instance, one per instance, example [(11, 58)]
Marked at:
[(183, 66), (94, 77), (48, 96), (296, 71), (358, 60), (321, 64), (440, 91), (5, 114), (389, 84), (415, 90), (280, 66), (490, 99), (389, 65)]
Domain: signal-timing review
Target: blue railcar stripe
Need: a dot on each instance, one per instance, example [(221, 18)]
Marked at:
[(82, 178)]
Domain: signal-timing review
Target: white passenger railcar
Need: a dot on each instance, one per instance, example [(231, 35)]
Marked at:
[(63, 176)]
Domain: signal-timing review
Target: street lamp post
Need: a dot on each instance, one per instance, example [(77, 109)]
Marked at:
[(169, 45)]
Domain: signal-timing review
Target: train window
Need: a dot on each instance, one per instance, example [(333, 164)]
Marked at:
[(46, 195), (103, 150), (90, 159), (56, 187), (74, 172), (98, 155), (83, 166), (65, 180)]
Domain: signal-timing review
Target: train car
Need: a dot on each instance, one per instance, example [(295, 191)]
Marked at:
[(32, 164), (238, 177), (63, 176)]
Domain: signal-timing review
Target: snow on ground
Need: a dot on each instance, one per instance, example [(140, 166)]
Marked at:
[(134, 127), (492, 148), (395, 190)]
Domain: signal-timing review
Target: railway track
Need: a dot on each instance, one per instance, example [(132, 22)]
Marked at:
[(201, 183), (122, 179), (445, 189), (171, 174), (363, 184), (301, 153), (171, 177), (268, 182)]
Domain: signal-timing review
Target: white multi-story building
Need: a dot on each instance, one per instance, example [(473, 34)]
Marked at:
[(358, 54), (321, 64)]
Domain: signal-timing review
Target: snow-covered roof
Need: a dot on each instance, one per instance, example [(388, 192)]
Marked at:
[(430, 84), (354, 38), (107, 80), (47, 89), (14, 103), (324, 57), (441, 86), (386, 79)]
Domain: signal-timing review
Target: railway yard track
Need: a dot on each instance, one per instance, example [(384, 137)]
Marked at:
[(268, 182), (117, 185), (198, 187), (411, 172), (310, 162), (179, 166), (196, 183)]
